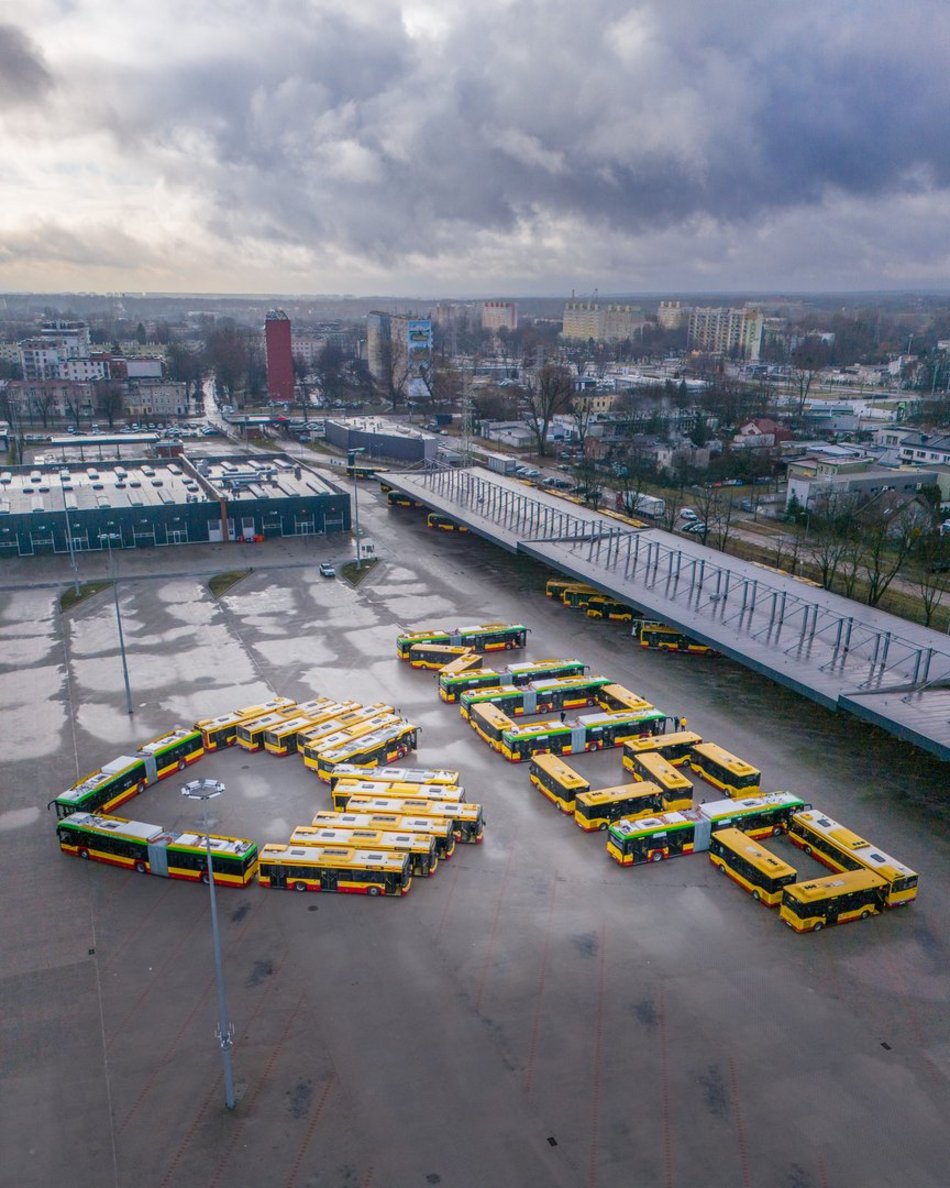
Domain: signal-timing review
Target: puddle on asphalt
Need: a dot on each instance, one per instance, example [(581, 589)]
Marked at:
[(19, 818), (34, 728)]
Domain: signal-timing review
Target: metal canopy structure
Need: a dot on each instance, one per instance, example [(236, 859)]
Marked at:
[(828, 648)]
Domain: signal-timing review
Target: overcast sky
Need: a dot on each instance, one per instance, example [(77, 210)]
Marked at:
[(505, 147)]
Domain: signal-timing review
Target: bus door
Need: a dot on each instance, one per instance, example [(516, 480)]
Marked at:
[(578, 738), (158, 857), (278, 876), (329, 879)]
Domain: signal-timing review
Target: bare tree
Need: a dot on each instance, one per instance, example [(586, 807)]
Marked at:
[(889, 528), (548, 393), (110, 399), (829, 533)]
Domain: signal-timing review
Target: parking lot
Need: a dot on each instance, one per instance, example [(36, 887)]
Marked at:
[(532, 1015)]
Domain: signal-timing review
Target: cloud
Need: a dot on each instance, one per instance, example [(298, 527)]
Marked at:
[(380, 139), (24, 77)]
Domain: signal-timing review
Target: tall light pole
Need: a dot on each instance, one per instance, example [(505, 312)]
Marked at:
[(108, 537), (351, 461), (74, 565), (206, 790)]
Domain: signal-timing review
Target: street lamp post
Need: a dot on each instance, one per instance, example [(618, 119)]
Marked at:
[(70, 544), (350, 458), (108, 537), (206, 790)]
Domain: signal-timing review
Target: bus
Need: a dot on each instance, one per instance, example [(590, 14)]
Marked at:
[(689, 830), (250, 733), (676, 788), (401, 499), (490, 724), (149, 849), (420, 848), (756, 869), (667, 639), (357, 470), (170, 752), (314, 746), (434, 520), (468, 821), (344, 790), (840, 849), (483, 637), (438, 828), (395, 775), (600, 607), (469, 662), (587, 732), (351, 715), (616, 697), (286, 737), (835, 899), (335, 868), (578, 595), (538, 697), (555, 587), (600, 807), (452, 686), (675, 747), (556, 780), (721, 769), (383, 747), (435, 655), (106, 789), (222, 731)]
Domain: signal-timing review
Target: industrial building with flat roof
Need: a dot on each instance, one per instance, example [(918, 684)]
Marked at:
[(55, 508)]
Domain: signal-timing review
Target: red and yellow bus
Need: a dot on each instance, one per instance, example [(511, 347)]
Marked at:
[(222, 731), (587, 732), (667, 639), (395, 775), (382, 747), (335, 868), (438, 828), (436, 656), (748, 863), (559, 782), (723, 770), (468, 821), (342, 791), (490, 724), (444, 523), (675, 747), (250, 733), (616, 697), (676, 788), (840, 849), (835, 899), (420, 847), (600, 807)]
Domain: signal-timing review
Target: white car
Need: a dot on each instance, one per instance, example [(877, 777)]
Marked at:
[(687, 513), (327, 569)]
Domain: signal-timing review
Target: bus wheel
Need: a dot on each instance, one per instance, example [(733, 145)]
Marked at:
[(776, 830), (374, 891), (864, 915), (721, 869), (756, 896), (83, 853), (300, 886), (656, 856), (807, 849), (508, 645), (181, 765), (818, 927), (204, 877), (140, 867), (140, 788), (603, 825)]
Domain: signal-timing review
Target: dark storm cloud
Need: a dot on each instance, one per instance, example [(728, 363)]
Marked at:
[(23, 74)]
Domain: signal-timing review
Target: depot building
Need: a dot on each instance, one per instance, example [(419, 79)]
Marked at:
[(55, 507)]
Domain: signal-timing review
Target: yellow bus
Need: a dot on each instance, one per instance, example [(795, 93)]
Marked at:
[(382, 747), (419, 847), (489, 723), (468, 822), (314, 744), (222, 731), (344, 790), (756, 869), (285, 738), (335, 868), (559, 782), (350, 714), (676, 788), (250, 733), (601, 607), (468, 662), (444, 523), (667, 639), (675, 747), (835, 899), (438, 828), (616, 697), (395, 775), (840, 849), (555, 587), (578, 594), (723, 770), (600, 807), (435, 655)]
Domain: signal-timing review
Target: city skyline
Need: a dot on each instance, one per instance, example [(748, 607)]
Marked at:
[(505, 150)]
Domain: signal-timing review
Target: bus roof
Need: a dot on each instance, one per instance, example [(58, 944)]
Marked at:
[(556, 766), (725, 758), (863, 851), (717, 809), (662, 821), (754, 852), (338, 855), (366, 741), (834, 884), (454, 792), (439, 826), (435, 808), (95, 778), (327, 835), (219, 844), (166, 740), (535, 665), (118, 826), (619, 792), (397, 775)]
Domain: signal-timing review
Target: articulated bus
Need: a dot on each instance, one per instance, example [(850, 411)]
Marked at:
[(600, 807), (468, 822), (556, 780), (835, 899), (666, 639), (356, 470), (756, 869), (484, 637), (436, 655), (444, 523), (222, 731), (438, 828), (676, 788), (490, 724), (383, 747), (538, 697), (395, 775), (675, 747), (250, 733), (171, 752), (313, 747), (840, 849), (721, 769), (652, 839), (343, 791), (600, 607), (616, 697), (335, 868), (452, 686), (587, 732), (149, 849), (419, 847)]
